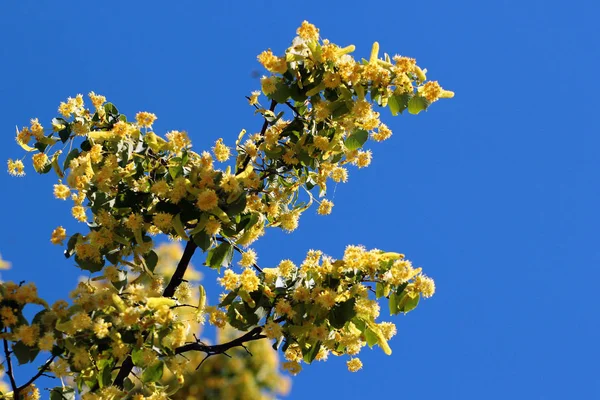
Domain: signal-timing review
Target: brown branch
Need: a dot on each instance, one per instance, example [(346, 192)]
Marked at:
[(254, 334), (169, 291), (43, 369), (10, 372)]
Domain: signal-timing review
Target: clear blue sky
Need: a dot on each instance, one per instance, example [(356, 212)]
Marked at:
[(494, 193)]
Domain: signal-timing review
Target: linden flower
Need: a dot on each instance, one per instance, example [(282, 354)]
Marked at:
[(325, 207), (286, 268), (253, 99), (16, 168), (163, 221), (79, 213), (221, 152), (230, 280), (425, 285), (272, 330), (268, 84), (293, 367), (363, 159), (382, 134), (289, 221), (40, 160), (308, 31), (248, 258), (58, 235), (97, 100), (62, 191), (249, 280), (145, 119), (212, 227), (207, 200), (339, 174), (354, 364)]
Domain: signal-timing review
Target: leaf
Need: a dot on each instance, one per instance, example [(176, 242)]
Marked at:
[(393, 304), (220, 256), (371, 337), (137, 357), (356, 139), (151, 260), (398, 103), (62, 393), (237, 206), (111, 109), (71, 245), (228, 299), (408, 303), (72, 154), (282, 93), (379, 290), (342, 313), (153, 373), (89, 265), (21, 351), (202, 240), (311, 354), (417, 104)]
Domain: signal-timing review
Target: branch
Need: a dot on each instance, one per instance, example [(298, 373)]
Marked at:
[(239, 250), (169, 291), (254, 334), (43, 369), (9, 370), (177, 277)]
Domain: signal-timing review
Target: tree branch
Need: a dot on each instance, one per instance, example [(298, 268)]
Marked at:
[(169, 291), (177, 277), (254, 334), (9, 371), (43, 369)]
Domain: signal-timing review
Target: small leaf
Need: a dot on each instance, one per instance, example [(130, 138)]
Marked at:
[(62, 393), (202, 240), (379, 290), (220, 256), (311, 354), (371, 337), (342, 313), (151, 260), (398, 103), (153, 373), (417, 104), (72, 154), (282, 92), (356, 139)]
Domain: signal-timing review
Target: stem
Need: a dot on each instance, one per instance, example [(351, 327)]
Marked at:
[(43, 369), (9, 371)]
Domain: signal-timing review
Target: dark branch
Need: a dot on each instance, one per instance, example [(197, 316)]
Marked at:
[(239, 250), (177, 277), (169, 291), (9, 371), (40, 373), (254, 334)]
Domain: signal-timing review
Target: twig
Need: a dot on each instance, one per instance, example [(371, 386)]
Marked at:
[(43, 369), (294, 109), (9, 370), (239, 250), (254, 334)]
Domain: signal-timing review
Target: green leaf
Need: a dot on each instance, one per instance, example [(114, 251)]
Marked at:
[(72, 154), (24, 353), (151, 260), (220, 256), (393, 304), (62, 393), (202, 240), (153, 373), (89, 265), (356, 139), (282, 92), (398, 103), (342, 313), (310, 354), (237, 206), (379, 290), (371, 337), (228, 299), (111, 109), (417, 104), (408, 303), (137, 357)]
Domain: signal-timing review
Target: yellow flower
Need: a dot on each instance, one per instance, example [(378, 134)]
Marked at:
[(249, 280), (332, 80), (97, 100), (62, 191), (163, 221), (221, 151), (425, 285), (207, 200), (253, 99), (79, 213), (248, 258), (58, 235), (28, 334), (16, 168), (272, 330), (40, 160), (145, 119), (289, 221), (363, 159), (325, 207), (339, 174), (354, 364), (37, 129), (293, 367), (268, 84), (286, 268), (308, 31), (46, 342), (230, 280), (382, 134), (212, 227)]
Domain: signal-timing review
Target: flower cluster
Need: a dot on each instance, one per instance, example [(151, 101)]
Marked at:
[(129, 184)]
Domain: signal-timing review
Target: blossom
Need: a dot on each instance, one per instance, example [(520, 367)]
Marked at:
[(145, 119), (207, 200), (354, 364), (40, 160), (248, 258), (61, 191), (253, 99), (58, 235), (249, 280), (16, 168), (221, 152), (293, 367), (268, 84), (308, 31), (325, 207)]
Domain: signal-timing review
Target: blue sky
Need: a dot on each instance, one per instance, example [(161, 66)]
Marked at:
[(494, 193)]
